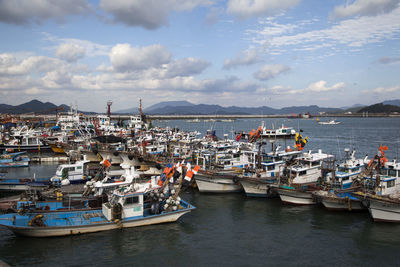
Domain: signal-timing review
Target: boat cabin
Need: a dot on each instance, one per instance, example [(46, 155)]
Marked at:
[(122, 206), (77, 172)]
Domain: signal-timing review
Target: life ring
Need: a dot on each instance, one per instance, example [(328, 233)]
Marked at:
[(36, 221)]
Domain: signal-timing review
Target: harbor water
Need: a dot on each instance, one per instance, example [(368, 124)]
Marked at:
[(232, 229)]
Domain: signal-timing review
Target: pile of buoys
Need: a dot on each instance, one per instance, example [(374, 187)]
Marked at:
[(172, 203)]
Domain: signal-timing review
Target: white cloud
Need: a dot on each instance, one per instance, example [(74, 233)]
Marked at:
[(186, 67), (383, 90), (33, 64), (244, 9), (320, 86), (150, 14), (37, 11), (355, 32), (267, 72), (34, 91), (70, 52), (248, 57), (91, 49), (125, 58), (365, 8), (316, 87)]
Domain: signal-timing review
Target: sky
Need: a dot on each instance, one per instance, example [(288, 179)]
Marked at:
[(249, 53)]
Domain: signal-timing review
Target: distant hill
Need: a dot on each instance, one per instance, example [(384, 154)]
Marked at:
[(395, 102), (165, 104), (203, 109), (380, 108), (35, 106), (187, 108)]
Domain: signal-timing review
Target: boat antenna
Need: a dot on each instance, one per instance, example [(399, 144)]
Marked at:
[(109, 103)]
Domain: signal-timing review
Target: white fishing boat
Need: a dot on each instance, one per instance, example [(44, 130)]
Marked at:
[(383, 202), (283, 132), (258, 183), (330, 122), (223, 179), (78, 172), (301, 179), (340, 183)]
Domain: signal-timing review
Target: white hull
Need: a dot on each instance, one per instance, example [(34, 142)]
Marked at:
[(74, 230), (384, 211), (254, 189), (217, 185), (296, 197), (21, 187)]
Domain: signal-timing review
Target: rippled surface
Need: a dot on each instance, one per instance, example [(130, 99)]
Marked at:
[(234, 230)]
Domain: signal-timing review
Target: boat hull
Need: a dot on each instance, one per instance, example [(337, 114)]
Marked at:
[(341, 204), (291, 196), (257, 189), (384, 211), (216, 184), (14, 164), (98, 227)]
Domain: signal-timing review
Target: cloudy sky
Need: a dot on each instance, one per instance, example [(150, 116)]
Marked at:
[(277, 53)]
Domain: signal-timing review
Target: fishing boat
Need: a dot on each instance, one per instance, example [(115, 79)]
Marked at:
[(341, 183), (224, 177), (18, 159), (78, 172), (129, 205), (299, 180), (25, 143), (330, 122), (258, 182), (383, 198), (124, 210), (282, 132)]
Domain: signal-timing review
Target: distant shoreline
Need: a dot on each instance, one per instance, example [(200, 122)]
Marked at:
[(213, 116)]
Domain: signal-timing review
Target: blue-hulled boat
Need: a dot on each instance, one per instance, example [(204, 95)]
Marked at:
[(341, 185), (18, 159), (124, 210)]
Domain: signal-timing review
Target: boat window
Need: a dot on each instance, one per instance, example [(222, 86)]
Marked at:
[(270, 167), (71, 169), (302, 173), (390, 183), (315, 163), (131, 200), (383, 171), (79, 168), (392, 172)]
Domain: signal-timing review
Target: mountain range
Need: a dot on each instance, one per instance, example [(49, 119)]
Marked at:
[(187, 108)]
